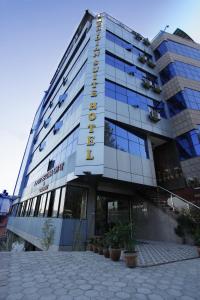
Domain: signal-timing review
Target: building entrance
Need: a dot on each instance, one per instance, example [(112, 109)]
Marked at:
[(110, 210)]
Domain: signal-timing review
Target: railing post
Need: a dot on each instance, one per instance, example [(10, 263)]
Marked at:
[(172, 201)]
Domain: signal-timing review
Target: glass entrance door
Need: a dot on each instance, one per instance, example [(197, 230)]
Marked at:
[(110, 210)]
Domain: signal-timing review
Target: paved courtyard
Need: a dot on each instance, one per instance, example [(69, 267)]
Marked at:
[(154, 253), (85, 275)]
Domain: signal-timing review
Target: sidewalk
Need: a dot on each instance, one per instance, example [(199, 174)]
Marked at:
[(89, 276)]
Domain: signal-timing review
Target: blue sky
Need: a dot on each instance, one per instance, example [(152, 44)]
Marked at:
[(34, 35)]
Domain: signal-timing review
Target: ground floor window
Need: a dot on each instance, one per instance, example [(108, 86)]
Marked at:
[(76, 203)]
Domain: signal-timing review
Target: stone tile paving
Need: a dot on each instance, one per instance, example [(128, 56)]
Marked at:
[(89, 276), (153, 253)]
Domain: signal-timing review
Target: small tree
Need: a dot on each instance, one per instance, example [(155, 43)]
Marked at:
[(48, 234)]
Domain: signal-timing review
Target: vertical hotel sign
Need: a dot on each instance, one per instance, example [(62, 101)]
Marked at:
[(93, 93)]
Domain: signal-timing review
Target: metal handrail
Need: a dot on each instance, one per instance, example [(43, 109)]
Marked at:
[(184, 200)]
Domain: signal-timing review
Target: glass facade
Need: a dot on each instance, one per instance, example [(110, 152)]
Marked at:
[(65, 202), (187, 98), (178, 68), (188, 144), (129, 68), (120, 93), (60, 154), (177, 48), (124, 44), (119, 138)]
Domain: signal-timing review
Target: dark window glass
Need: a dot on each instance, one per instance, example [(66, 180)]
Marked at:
[(47, 204), (188, 144), (129, 68), (76, 203), (119, 93), (62, 202), (187, 98), (42, 205), (177, 48), (51, 204), (178, 68), (117, 137), (51, 164), (33, 206), (37, 205), (56, 203), (122, 43)]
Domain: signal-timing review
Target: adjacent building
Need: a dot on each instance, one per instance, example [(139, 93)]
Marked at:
[(120, 118), (5, 205)]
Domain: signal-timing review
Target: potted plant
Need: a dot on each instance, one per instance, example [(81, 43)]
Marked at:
[(142, 58), (106, 252), (150, 63), (138, 37), (146, 42), (90, 244), (130, 255), (94, 245), (100, 245), (114, 237), (157, 89), (147, 84)]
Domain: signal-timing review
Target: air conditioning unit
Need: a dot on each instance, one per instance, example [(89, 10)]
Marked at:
[(154, 116)]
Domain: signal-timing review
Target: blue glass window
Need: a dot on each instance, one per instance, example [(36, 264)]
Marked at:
[(122, 43), (57, 126), (61, 99), (46, 122), (188, 144), (178, 68), (120, 93), (124, 140), (187, 98), (177, 48), (127, 67), (42, 146)]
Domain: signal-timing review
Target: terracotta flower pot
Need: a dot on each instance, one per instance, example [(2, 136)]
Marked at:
[(95, 248), (130, 259), (90, 247), (106, 253), (100, 250), (115, 254)]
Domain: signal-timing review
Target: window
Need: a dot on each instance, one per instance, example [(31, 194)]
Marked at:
[(124, 140), (187, 98), (122, 43), (120, 93), (56, 203), (46, 122), (76, 203), (57, 126), (178, 68), (42, 146), (177, 48), (50, 104), (61, 99), (42, 205), (29, 207), (33, 206), (62, 202), (129, 68), (51, 164), (188, 144), (50, 203), (37, 206)]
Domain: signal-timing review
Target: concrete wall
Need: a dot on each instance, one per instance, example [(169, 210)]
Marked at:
[(154, 224)]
